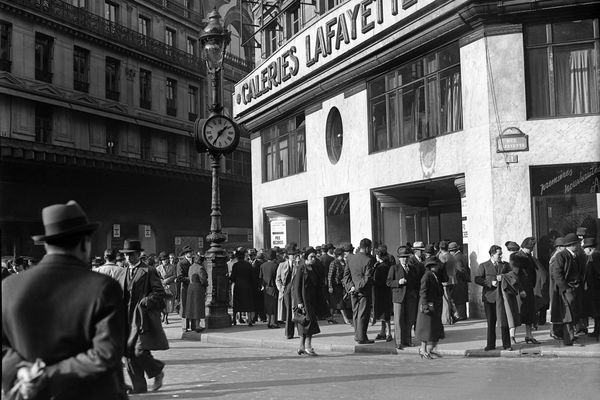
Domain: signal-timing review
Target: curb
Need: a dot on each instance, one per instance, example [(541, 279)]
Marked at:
[(533, 352)]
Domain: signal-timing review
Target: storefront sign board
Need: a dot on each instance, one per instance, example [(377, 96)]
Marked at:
[(565, 179)]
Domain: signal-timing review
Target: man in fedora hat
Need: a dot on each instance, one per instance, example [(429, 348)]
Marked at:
[(405, 281), (183, 281), (566, 280), (285, 272), (65, 316), (144, 299), (460, 294)]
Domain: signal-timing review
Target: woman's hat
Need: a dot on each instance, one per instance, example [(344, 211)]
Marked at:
[(571, 239), (348, 247), (528, 243), (429, 249), (62, 220), (163, 255), (131, 246), (512, 246), (432, 261), (308, 251), (291, 248), (186, 249), (453, 246)]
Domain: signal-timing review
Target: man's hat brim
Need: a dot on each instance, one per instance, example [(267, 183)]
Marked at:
[(88, 228)]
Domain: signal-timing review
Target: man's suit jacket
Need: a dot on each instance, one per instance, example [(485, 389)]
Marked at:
[(71, 318), (359, 273), (486, 273), (411, 288), (144, 320), (283, 273)]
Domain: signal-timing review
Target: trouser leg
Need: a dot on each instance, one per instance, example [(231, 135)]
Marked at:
[(355, 306), (289, 325), (490, 314), (363, 311), (505, 332)]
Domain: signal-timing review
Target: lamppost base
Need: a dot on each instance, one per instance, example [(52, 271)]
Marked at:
[(218, 317)]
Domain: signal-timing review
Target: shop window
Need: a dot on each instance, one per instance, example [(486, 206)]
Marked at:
[(334, 132), (43, 57), (111, 76), (81, 69), (284, 149), (419, 100), (145, 89), (562, 68), (565, 197), (5, 46), (171, 97)]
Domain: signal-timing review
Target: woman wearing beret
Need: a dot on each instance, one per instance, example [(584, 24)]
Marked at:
[(306, 287), (429, 328)]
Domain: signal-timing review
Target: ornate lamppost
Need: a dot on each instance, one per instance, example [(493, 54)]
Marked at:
[(216, 135)]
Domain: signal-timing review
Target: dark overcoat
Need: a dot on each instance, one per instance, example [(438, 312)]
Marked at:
[(335, 284), (592, 284), (71, 318), (144, 320), (565, 271), (507, 302), (183, 280), (460, 293), (529, 277), (259, 295), (429, 327), (542, 285), (268, 274), (306, 291), (382, 294), (245, 282), (196, 292)]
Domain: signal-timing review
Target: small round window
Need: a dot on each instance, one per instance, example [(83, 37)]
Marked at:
[(335, 135)]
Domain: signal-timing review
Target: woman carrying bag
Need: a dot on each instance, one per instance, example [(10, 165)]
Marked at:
[(429, 329), (306, 287)]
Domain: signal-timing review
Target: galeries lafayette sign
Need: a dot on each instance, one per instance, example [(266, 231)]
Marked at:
[(330, 37)]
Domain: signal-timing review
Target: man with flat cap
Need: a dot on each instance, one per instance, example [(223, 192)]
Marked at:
[(144, 297), (74, 347), (358, 280), (564, 301)]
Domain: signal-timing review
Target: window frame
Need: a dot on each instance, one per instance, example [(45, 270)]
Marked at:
[(145, 89), (81, 69), (430, 100), (550, 47), (144, 25), (192, 102), (277, 144), (5, 46), (112, 91), (44, 57), (171, 96)]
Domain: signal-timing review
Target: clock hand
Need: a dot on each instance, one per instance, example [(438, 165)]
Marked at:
[(219, 133)]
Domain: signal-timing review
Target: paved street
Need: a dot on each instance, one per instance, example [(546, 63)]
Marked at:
[(196, 370)]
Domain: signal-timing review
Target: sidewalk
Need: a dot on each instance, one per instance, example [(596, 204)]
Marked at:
[(464, 339)]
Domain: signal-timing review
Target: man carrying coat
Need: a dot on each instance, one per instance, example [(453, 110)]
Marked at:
[(144, 298), (358, 280), (65, 316)]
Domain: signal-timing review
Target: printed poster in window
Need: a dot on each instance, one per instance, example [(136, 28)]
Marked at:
[(278, 233)]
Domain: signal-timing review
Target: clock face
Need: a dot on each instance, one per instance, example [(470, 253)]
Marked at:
[(220, 133)]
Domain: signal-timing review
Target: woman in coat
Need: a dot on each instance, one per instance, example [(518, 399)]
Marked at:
[(196, 294), (336, 287), (267, 275), (429, 328), (244, 280), (382, 296), (167, 273), (528, 305), (306, 287)]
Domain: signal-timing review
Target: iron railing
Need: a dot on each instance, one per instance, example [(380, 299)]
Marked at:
[(179, 9), (112, 31)]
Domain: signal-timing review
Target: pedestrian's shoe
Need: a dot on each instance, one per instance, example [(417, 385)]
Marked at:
[(389, 338), (531, 340), (508, 348), (130, 390), (158, 381), (311, 352), (399, 347), (583, 331), (366, 341), (555, 336), (380, 336), (488, 348), (302, 352)]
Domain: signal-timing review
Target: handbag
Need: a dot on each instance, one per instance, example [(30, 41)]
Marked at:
[(299, 317)]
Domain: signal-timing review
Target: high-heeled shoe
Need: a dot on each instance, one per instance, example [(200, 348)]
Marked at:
[(311, 352), (424, 355), (435, 353), (302, 352), (531, 340)]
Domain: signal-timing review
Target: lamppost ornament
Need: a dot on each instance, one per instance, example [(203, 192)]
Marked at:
[(217, 135)]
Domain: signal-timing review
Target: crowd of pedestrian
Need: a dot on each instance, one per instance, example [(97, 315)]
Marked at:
[(94, 318)]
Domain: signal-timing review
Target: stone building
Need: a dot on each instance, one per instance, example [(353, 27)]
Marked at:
[(404, 120), (97, 104)]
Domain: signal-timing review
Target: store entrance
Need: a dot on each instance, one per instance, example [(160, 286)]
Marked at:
[(285, 224), (427, 211)]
